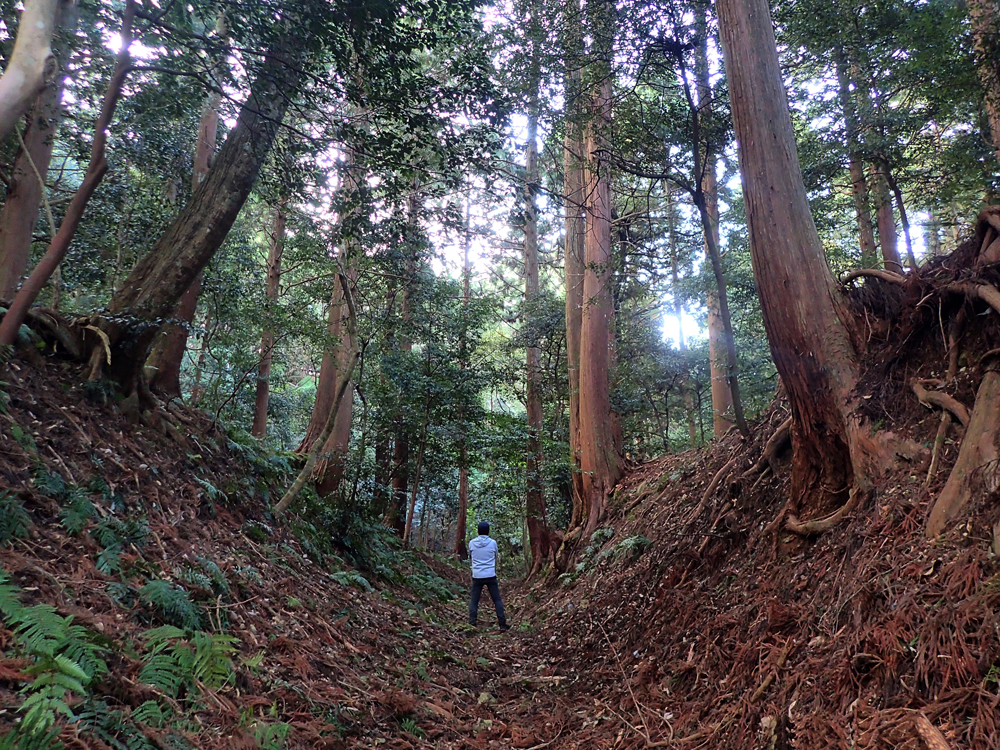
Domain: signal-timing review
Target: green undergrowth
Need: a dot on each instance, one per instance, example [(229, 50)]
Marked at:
[(66, 662), (624, 552), (180, 607)]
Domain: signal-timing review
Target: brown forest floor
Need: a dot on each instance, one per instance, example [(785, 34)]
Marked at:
[(689, 624)]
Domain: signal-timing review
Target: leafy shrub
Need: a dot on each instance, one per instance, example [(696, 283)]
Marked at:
[(590, 555), (204, 575), (430, 586), (270, 736), (256, 531)]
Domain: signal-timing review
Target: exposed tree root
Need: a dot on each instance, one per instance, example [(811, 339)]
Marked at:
[(929, 733), (989, 251), (713, 486), (986, 292), (939, 439), (819, 525), (940, 400), (977, 468), (875, 273), (778, 665), (772, 448)]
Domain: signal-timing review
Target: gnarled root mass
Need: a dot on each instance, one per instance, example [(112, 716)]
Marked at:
[(977, 468), (904, 316)]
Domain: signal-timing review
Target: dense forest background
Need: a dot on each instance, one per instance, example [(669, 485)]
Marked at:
[(241, 202)]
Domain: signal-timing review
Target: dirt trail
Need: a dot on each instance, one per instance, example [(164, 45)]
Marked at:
[(692, 621), (325, 657)]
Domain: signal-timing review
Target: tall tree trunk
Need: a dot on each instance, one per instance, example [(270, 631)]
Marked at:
[(407, 531), (887, 236), (722, 395), (859, 185), (904, 220), (158, 280), (198, 389), (92, 178), (263, 393), (25, 192), (326, 384), (600, 460), (538, 528), (167, 354), (575, 232), (383, 470), (31, 65), (306, 471), (330, 467), (463, 505), (932, 234), (401, 456), (463, 454), (985, 20), (685, 384), (422, 537), (810, 328), (333, 455)]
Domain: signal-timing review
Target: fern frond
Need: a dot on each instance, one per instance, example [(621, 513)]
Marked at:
[(164, 671), (9, 601), (152, 714), (20, 739), (113, 728), (40, 628), (352, 578), (14, 519), (213, 665), (172, 604), (77, 512)]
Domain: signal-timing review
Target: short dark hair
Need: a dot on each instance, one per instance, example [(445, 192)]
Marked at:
[(484, 528)]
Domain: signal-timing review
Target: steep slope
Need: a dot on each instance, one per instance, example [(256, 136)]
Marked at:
[(151, 538), (698, 619)]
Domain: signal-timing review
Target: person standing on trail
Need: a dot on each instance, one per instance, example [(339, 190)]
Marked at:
[(483, 554)]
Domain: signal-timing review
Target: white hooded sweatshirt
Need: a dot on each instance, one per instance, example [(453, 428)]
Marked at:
[(483, 553)]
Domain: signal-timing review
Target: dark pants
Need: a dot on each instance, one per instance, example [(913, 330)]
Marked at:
[(477, 590)]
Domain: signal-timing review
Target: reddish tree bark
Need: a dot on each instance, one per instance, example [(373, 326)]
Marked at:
[(263, 392), (330, 469), (887, 236), (600, 460), (167, 354), (92, 178), (539, 536), (306, 472), (25, 191), (31, 63), (859, 185), (155, 285), (985, 20), (722, 395), (573, 248), (810, 329)]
